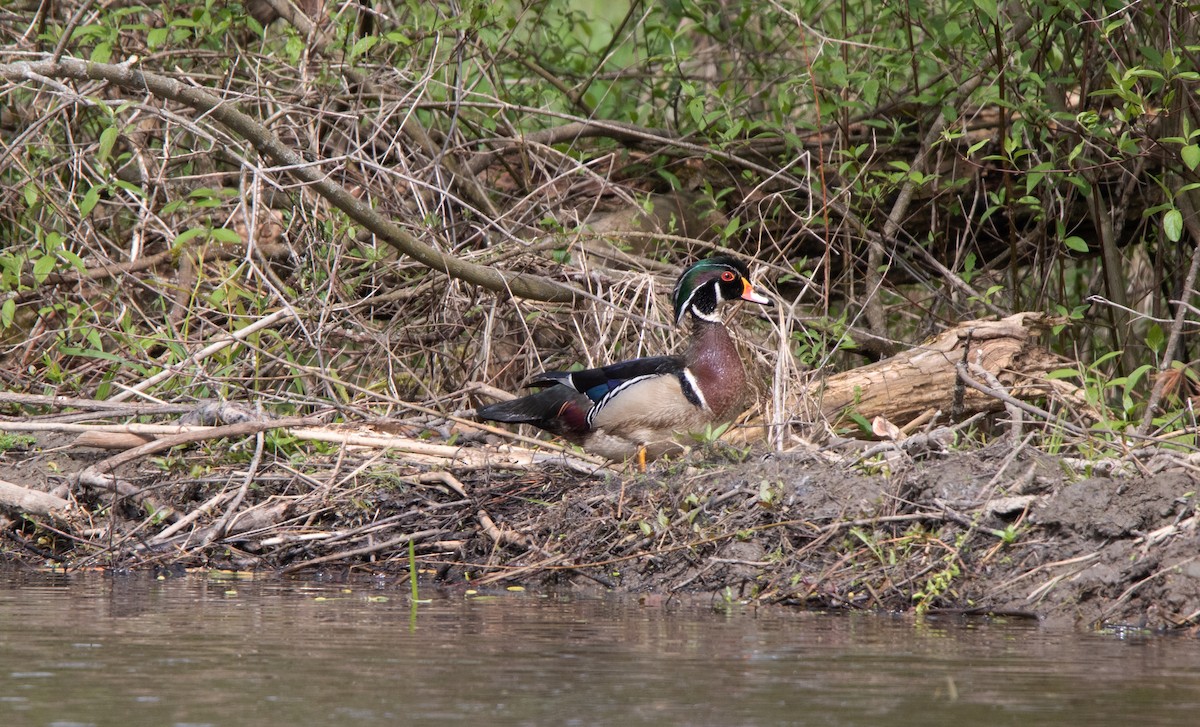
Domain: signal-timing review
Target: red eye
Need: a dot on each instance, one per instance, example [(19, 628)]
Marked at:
[(728, 276)]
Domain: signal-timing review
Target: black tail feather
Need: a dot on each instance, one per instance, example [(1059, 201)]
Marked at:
[(558, 409)]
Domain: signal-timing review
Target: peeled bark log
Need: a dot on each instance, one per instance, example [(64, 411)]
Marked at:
[(33, 502), (904, 386)]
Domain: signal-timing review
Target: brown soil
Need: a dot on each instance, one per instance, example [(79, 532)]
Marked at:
[(974, 532)]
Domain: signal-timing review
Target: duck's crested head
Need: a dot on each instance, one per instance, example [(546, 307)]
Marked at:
[(708, 283)]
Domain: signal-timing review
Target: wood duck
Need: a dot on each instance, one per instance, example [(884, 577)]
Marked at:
[(641, 408)]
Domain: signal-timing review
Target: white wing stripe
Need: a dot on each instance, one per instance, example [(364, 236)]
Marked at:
[(609, 396)]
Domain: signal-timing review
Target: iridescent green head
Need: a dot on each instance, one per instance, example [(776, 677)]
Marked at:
[(706, 284)]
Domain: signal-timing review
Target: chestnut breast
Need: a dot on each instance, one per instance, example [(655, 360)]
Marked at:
[(714, 361)]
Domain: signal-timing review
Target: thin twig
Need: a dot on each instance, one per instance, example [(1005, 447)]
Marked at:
[(221, 527), (1010, 400), (365, 550), (237, 336), (198, 434)]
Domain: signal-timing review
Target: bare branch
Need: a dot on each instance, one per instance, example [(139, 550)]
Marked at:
[(271, 147)]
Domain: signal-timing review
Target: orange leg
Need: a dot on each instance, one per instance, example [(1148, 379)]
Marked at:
[(642, 460)]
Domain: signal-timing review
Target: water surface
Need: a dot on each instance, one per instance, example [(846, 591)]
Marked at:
[(132, 651)]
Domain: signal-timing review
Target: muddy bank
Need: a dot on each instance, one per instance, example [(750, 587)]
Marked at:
[(970, 532), (989, 531)]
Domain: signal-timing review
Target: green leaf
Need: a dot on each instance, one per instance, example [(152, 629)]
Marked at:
[(364, 44), (1191, 155), (1110, 355), (1035, 175), (222, 234), (734, 130), (1075, 152), (1138, 72), (989, 9), (102, 53), (294, 47), (671, 179), (1136, 376), (976, 147), (861, 421), (1155, 338), (90, 198), (187, 235), (155, 38), (73, 260), (43, 267), (108, 137), (129, 187), (731, 229), (870, 92), (31, 195), (8, 313), (1173, 225), (1076, 243), (99, 354), (1064, 374)]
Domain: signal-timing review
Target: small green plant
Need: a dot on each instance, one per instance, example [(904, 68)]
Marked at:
[(770, 493), (18, 442), (728, 601), (813, 345), (1110, 397), (939, 584), (711, 434), (710, 441), (1010, 534)]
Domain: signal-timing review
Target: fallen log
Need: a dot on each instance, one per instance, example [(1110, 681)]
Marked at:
[(910, 384), (32, 502)]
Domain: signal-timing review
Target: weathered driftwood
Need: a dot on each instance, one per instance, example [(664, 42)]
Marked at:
[(905, 386), (33, 502)]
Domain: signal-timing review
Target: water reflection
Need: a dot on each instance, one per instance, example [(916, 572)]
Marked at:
[(130, 651)]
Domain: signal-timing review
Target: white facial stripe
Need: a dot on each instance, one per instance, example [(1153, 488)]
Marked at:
[(710, 317), (687, 305), (692, 382)]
